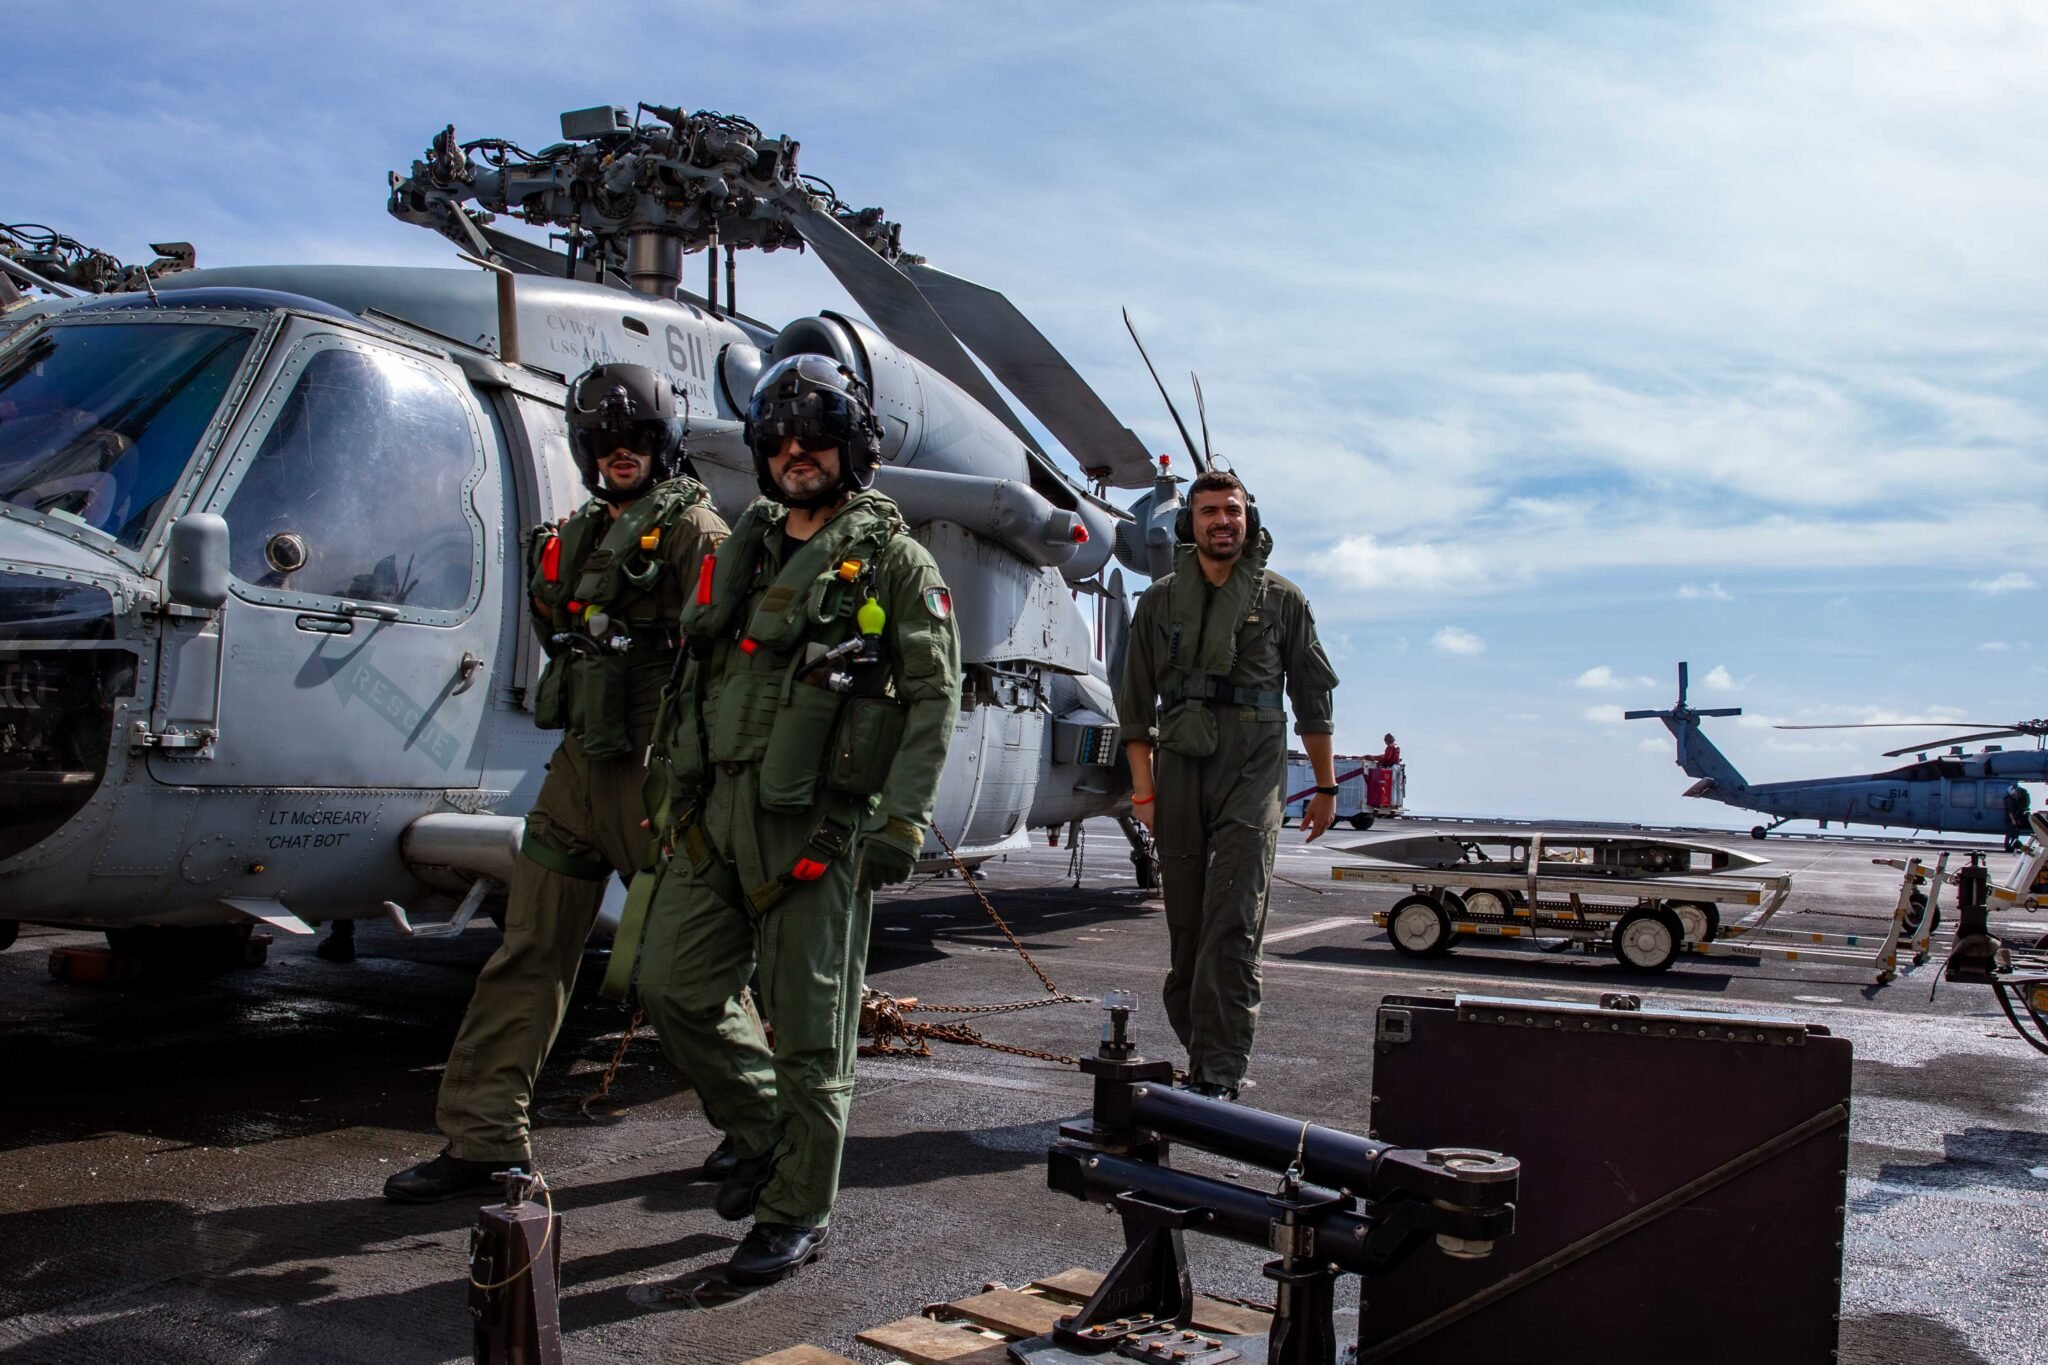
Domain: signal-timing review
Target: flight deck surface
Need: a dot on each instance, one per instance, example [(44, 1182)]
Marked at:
[(191, 1173)]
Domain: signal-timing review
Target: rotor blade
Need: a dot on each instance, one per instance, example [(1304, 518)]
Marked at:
[(896, 307), (1906, 725), (1202, 412), (1951, 739), (1201, 465), (1720, 711), (1643, 715), (1683, 673), (1031, 367)]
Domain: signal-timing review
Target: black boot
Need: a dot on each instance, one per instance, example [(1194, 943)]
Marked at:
[(723, 1160), (443, 1178), (340, 943), (738, 1191), (772, 1250)]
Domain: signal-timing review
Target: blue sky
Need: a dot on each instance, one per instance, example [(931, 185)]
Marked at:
[(1559, 345)]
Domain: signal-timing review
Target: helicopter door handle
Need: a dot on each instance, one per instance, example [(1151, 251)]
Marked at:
[(465, 673), (376, 611)]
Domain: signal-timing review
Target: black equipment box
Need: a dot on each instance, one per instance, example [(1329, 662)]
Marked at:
[(1683, 1182)]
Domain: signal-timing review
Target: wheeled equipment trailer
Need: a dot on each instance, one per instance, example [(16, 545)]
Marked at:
[(1637, 897), (1660, 918)]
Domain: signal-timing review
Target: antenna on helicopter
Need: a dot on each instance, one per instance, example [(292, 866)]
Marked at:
[(1199, 458), (1202, 412)]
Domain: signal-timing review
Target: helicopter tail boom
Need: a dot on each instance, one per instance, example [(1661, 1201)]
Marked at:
[(1696, 754)]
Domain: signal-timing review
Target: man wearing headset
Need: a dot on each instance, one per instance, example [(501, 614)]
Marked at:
[(801, 759), (1211, 646), (605, 587)]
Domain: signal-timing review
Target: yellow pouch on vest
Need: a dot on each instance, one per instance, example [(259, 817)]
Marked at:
[(1189, 730)]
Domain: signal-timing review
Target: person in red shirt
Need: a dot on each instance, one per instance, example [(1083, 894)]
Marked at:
[(1391, 756)]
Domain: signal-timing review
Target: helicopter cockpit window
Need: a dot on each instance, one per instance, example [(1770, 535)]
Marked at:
[(360, 489), (97, 422)]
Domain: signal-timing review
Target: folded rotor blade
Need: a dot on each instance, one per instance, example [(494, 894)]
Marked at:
[(895, 306), (1033, 368), (1720, 711)]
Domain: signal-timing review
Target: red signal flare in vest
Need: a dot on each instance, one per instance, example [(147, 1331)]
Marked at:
[(807, 870), (704, 571), (551, 559), (749, 645)]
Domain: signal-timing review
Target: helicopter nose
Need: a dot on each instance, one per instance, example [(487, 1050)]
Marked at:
[(59, 693)]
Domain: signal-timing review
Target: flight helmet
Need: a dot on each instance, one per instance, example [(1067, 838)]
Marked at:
[(822, 403), (613, 405)]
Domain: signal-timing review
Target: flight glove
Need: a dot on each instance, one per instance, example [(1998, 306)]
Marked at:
[(888, 854)]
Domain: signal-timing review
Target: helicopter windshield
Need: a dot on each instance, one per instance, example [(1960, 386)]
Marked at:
[(98, 421)]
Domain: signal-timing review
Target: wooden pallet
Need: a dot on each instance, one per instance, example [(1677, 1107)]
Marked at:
[(977, 1330)]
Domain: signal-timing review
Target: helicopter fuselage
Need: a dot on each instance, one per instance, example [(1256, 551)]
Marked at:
[(375, 440)]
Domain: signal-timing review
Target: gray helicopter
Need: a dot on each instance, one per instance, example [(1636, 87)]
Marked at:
[(1956, 793), (263, 653)]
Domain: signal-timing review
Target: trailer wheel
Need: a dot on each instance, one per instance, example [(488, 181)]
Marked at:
[(1487, 902), (1701, 920), (1648, 938), (1362, 820), (1419, 927), (1916, 910)]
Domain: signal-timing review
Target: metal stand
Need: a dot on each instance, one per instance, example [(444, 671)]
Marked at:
[(1344, 1204), (515, 1261)]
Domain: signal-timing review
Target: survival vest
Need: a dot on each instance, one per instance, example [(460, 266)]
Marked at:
[(1201, 670), (606, 605), (790, 682)]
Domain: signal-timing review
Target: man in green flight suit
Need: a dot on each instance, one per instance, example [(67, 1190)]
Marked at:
[(606, 588), (805, 754), (1210, 646)]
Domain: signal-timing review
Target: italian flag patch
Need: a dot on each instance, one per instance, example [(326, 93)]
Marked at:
[(938, 602)]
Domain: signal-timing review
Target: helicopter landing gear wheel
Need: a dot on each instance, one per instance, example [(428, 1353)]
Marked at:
[(1757, 831), (1701, 920), (1419, 927), (1648, 938), (1488, 903), (1362, 820)]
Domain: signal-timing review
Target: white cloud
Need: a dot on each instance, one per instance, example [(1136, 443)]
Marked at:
[(1995, 647), (2005, 582), (1605, 715), (1713, 592), (1364, 563), (1604, 679), (1718, 679), (1452, 640)]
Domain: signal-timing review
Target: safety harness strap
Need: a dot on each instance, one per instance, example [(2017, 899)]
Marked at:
[(568, 864), (618, 974)]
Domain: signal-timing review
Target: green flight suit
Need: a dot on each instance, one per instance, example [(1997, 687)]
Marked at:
[(1202, 682), (779, 786), (600, 580)]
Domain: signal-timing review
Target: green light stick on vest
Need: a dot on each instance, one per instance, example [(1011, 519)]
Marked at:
[(871, 618)]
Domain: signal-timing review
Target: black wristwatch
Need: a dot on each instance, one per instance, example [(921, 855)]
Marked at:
[(1326, 791)]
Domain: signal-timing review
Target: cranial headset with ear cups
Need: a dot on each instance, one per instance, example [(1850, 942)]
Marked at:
[(1184, 519)]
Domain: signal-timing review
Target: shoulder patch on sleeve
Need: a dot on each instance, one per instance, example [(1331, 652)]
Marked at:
[(939, 602)]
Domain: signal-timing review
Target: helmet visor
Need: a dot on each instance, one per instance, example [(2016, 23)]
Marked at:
[(819, 420), (650, 439)]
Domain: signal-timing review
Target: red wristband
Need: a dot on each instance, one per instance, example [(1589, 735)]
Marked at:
[(1143, 800)]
